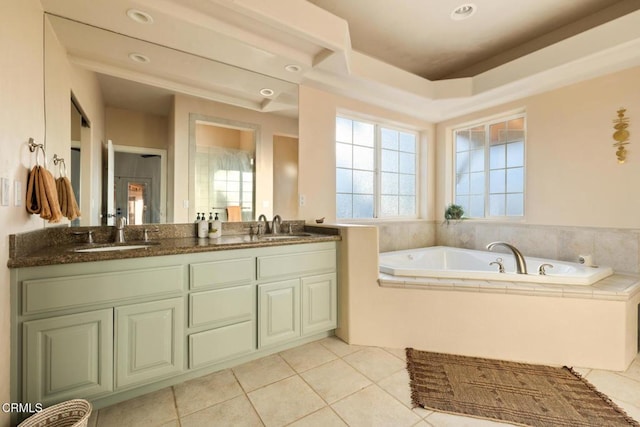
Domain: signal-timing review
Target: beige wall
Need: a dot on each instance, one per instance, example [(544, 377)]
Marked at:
[(270, 125), (317, 182), (285, 176), (218, 136), (21, 117), (572, 176), (133, 128)]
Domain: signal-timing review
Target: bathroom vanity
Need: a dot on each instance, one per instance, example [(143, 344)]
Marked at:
[(139, 320)]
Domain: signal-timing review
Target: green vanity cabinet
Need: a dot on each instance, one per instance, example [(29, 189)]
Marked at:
[(149, 341), (114, 329), (302, 305), (68, 356)]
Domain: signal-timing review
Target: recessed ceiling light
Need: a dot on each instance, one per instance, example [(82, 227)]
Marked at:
[(266, 92), (293, 68), (140, 16), (463, 11), (138, 57)]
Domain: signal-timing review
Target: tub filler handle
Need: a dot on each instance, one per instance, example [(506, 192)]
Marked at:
[(542, 270), (498, 262)]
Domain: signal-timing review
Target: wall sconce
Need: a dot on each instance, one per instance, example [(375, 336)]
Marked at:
[(621, 135)]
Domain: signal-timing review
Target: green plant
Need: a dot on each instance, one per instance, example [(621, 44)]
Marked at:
[(453, 212)]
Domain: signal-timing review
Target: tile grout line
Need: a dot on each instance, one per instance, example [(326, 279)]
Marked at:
[(246, 395), (175, 405)]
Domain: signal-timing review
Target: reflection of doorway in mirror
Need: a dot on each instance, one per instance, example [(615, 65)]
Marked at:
[(136, 193), (133, 169)]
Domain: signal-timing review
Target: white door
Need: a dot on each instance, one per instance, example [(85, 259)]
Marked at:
[(110, 213)]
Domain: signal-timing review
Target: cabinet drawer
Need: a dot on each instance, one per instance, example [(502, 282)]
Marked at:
[(296, 264), (58, 293), (221, 344), (222, 306), (222, 273)]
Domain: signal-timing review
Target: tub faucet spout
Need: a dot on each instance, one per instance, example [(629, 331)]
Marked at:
[(521, 265)]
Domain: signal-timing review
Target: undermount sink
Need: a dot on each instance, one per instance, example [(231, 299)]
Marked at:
[(112, 248), (284, 236)]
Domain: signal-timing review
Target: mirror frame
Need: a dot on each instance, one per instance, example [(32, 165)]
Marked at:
[(194, 119)]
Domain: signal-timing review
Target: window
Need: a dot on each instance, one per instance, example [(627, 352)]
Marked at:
[(489, 168), (375, 170)]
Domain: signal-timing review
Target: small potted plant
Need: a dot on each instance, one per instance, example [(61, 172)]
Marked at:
[(453, 212)]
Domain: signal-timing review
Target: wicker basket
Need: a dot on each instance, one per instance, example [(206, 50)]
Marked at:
[(72, 413)]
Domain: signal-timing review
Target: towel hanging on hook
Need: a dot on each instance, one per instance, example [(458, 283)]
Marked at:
[(42, 197), (66, 196)]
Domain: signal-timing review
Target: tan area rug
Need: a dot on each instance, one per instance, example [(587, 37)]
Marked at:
[(517, 393)]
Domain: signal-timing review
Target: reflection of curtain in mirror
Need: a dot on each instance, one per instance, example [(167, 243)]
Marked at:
[(229, 180)]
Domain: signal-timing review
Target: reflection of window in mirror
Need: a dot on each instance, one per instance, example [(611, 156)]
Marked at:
[(225, 169)]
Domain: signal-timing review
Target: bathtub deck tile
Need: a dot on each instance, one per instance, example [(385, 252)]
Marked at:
[(439, 286), (494, 287), (618, 287), (467, 286), (523, 288), (578, 292)]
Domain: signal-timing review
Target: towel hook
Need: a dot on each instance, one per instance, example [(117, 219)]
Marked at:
[(63, 165), (37, 148)]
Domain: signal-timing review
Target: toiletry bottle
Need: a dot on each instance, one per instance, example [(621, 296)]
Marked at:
[(203, 228), (210, 222), (216, 228)]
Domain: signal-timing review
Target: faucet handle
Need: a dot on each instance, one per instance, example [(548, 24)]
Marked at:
[(498, 262), (542, 270), (146, 231), (88, 233)]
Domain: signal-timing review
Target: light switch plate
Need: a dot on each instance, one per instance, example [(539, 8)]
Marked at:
[(4, 191), (17, 193)]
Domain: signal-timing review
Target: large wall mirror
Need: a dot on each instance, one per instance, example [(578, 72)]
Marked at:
[(206, 121)]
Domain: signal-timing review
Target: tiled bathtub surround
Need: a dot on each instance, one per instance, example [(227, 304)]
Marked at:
[(617, 248), (394, 236)]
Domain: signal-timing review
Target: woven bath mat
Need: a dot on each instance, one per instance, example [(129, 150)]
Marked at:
[(517, 393)]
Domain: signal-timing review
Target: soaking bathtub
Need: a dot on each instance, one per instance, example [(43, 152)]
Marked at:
[(457, 263)]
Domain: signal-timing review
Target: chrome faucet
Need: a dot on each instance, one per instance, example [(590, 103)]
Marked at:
[(275, 226), (120, 223), (265, 230), (521, 265)]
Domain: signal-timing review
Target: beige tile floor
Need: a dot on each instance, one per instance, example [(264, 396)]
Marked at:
[(325, 383)]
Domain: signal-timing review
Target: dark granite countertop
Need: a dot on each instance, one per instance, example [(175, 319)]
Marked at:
[(67, 253)]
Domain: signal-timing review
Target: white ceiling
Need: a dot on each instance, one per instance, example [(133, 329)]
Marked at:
[(420, 37), (227, 50)]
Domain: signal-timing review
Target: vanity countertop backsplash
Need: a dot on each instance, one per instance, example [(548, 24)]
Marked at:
[(65, 245)]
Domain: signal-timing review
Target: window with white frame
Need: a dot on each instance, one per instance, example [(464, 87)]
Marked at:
[(376, 170), (490, 168)]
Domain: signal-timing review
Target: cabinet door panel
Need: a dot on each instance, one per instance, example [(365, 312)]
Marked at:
[(68, 356), (279, 307), (149, 341), (319, 303)]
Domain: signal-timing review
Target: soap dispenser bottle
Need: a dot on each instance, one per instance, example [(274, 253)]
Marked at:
[(203, 227), (216, 228)]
